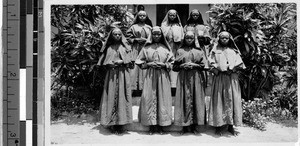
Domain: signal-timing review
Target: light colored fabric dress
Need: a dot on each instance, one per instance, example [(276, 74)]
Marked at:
[(190, 96), (225, 105), (116, 100), (135, 32), (156, 101), (174, 35)]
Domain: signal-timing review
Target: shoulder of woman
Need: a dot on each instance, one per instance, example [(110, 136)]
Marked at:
[(231, 50), (147, 46), (180, 50), (148, 26), (201, 26)]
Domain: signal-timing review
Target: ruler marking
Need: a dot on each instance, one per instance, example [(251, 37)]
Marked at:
[(9, 124), (12, 18)]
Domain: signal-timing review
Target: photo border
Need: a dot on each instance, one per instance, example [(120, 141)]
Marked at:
[(47, 59)]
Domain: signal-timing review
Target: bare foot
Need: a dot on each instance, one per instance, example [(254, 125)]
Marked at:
[(151, 130), (232, 131), (160, 130), (184, 130), (219, 131)]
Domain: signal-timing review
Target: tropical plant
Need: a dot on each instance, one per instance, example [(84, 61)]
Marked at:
[(265, 35), (77, 35)]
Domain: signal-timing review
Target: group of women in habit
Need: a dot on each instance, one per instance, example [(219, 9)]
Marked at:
[(155, 59)]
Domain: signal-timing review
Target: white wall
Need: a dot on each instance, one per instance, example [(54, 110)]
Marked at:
[(151, 11)]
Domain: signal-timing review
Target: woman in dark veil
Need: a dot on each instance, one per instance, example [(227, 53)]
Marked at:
[(195, 23), (156, 59), (190, 98), (225, 105), (116, 101), (173, 30), (137, 35)]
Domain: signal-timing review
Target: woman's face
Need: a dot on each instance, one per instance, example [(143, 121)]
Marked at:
[(156, 36), (195, 15), (189, 39), (224, 39), (172, 15), (117, 34), (142, 16)]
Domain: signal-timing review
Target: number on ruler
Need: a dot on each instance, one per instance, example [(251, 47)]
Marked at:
[(40, 14), (13, 74), (12, 134)]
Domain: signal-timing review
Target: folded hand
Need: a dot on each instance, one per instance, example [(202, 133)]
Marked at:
[(118, 62)]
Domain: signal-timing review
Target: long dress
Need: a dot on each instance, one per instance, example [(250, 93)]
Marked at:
[(174, 35), (225, 105), (135, 32), (116, 101), (190, 97), (156, 101), (201, 30)]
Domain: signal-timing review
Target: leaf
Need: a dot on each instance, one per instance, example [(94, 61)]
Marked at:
[(247, 47), (79, 26), (248, 16), (84, 61), (74, 52)]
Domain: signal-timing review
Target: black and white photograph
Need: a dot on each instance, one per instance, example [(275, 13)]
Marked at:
[(158, 73)]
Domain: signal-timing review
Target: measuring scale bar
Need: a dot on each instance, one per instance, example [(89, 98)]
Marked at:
[(11, 73)]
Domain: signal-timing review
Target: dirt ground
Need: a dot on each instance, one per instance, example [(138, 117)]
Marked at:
[(89, 134)]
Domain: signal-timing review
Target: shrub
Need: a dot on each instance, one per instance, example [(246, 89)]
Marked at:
[(253, 113), (265, 36), (78, 34)]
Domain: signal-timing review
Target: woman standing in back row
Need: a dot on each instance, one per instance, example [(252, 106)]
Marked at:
[(195, 23), (137, 35), (173, 30)]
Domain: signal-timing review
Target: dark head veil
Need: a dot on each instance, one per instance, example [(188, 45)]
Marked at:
[(190, 20), (163, 39)]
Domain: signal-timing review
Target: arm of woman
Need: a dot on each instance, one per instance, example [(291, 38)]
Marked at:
[(170, 61), (213, 67), (141, 59), (130, 35)]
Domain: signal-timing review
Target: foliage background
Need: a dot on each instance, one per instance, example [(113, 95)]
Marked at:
[(266, 34), (80, 30)]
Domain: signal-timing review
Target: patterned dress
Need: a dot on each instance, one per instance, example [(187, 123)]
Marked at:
[(225, 105), (116, 101), (156, 101), (135, 32), (174, 35), (190, 97)]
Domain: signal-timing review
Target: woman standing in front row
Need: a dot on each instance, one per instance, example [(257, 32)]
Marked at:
[(190, 98), (156, 101), (195, 23), (116, 102), (225, 105), (137, 35), (173, 31)]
